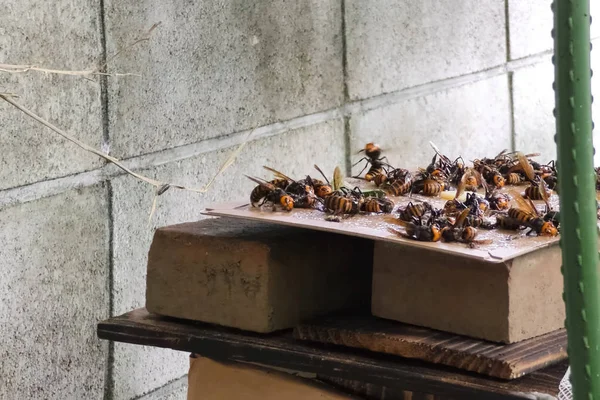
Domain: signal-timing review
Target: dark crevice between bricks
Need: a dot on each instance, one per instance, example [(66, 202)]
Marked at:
[(109, 379), (347, 141), (511, 111), (109, 372), (511, 108), (104, 78)]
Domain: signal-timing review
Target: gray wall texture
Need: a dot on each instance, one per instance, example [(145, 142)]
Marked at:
[(316, 78)]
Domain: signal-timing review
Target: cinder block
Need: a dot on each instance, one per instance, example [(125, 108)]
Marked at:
[(293, 153), (395, 44), (255, 276), (531, 25), (54, 283), (213, 68), (140, 370), (502, 302), (470, 120), (36, 33), (533, 100)]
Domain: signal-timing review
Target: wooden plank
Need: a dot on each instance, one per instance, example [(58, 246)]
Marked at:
[(506, 361), (281, 350), (369, 391)]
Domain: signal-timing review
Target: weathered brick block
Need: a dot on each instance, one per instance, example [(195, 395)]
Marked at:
[(38, 33), (396, 44), (239, 65), (471, 120), (533, 100), (54, 265), (502, 302), (254, 276), (531, 23)]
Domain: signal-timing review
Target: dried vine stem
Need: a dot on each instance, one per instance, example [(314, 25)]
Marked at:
[(101, 70), (160, 187)]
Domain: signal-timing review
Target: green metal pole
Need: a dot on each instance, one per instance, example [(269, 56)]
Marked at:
[(579, 233)]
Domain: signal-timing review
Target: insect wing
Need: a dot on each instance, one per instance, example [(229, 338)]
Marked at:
[(338, 178), (278, 174)]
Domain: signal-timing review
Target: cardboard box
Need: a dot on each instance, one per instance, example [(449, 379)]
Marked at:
[(212, 380)]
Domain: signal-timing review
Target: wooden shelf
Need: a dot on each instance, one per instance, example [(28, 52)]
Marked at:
[(282, 350)]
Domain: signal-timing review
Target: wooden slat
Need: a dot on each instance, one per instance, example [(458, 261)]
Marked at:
[(506, 361), (369, 391), (281, 350)]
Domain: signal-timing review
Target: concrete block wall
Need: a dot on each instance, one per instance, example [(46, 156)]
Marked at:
[(314, 79)]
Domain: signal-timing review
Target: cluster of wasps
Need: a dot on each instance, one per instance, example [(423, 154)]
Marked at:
[(334, 198), (459, 220)]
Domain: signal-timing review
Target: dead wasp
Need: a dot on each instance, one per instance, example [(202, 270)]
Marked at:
[(380, 179), (399, 175), (424, 233), (260, 191), (322, 189), (459, 231), (476, 201), (414, 211), (342, 200), (302, 191), (503, 221), (374, 159), (513, 178), (270, 193), (497, 201), (549, 174), (528, 215), (377, 205), (427, 185), (454, 207), (399, 182), (469, 178), (537, 187), (489, 173), (349, 203), (442, 168)]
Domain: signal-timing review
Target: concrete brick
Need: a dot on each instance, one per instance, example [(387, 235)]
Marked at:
[(395, 44), (503, 302), (213, 68), (176, 390), (255, 276), (530, 26), (533, 101), (64, 34), (470, 120), (138, 370), (293, 153), (54, 287)]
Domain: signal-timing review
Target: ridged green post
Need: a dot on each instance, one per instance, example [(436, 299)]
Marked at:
[(579, 234)]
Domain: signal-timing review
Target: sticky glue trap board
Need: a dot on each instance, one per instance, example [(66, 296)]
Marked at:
[(505, 244)]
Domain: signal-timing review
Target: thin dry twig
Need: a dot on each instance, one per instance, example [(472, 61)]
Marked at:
[(160, 187), (101, 70)]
